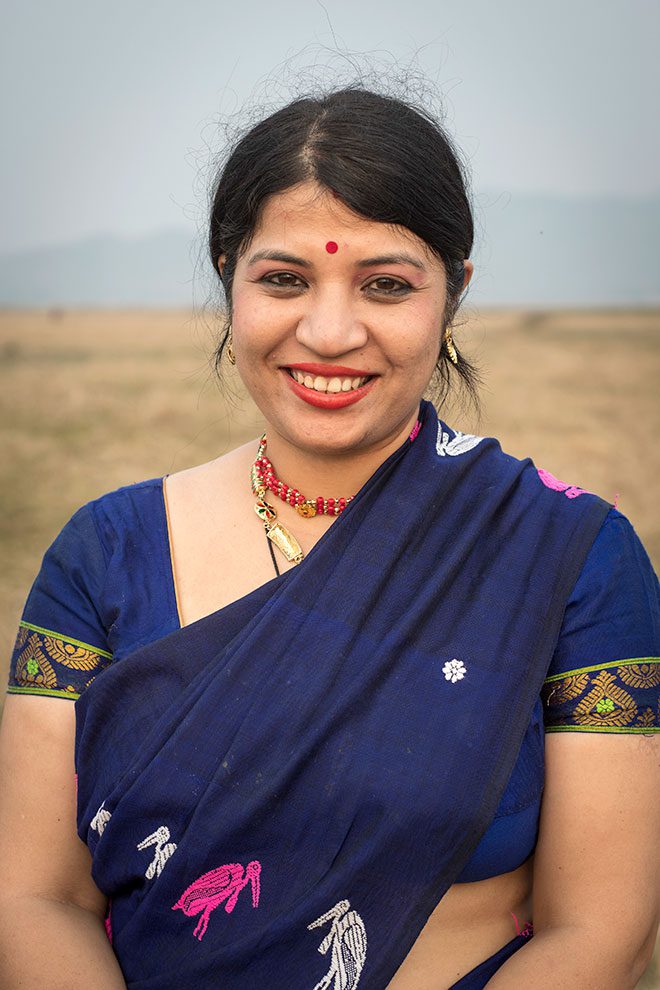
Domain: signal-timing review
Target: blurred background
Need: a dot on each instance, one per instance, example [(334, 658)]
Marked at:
[(113, 117)]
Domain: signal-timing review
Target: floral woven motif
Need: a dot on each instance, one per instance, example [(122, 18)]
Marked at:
[(45, 662), (621, 696)]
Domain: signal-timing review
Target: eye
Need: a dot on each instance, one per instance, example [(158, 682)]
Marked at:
[(268, 279), (396, 288)]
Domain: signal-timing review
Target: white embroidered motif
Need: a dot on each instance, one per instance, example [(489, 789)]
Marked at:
[(348, 938), (461, 443), (454, 670), (164, 849), (100, 820)]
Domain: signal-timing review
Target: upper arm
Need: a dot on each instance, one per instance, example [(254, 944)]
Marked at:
[(40, 852), (597, 858), (596, 865), (61, 646)]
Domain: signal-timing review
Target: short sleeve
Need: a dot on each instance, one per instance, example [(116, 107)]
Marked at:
[(62, 644), (605, 672)]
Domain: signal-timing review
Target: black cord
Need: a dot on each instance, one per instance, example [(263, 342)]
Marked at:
[(272, 554)]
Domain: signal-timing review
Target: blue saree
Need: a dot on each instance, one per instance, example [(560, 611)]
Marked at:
[(280, 794)]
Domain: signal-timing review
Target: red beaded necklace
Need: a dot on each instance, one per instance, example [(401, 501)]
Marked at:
[(263, 477)]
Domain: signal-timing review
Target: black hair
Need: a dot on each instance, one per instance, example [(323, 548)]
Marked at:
[(386, 159)]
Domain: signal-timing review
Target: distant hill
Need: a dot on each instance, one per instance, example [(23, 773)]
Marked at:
[(530, 251), (106, 270), (551, 251)]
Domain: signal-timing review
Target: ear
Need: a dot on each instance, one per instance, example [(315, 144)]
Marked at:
[(469, 271), (221, 263)]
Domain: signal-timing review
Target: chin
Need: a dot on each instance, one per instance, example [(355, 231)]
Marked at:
[(319, 435)]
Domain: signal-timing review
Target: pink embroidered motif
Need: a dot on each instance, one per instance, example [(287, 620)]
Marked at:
[(570, 491), (415, 430), (216, 886), (527, 930), (108, 925)]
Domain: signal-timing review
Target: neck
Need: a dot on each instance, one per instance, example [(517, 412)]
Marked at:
[(334, 474)]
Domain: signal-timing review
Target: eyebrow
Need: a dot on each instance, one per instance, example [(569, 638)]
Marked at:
[(403, 258)]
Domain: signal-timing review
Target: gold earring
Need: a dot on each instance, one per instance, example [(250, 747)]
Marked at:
[(231, 357), (451, 350)]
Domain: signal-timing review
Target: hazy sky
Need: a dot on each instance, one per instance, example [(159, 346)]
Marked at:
[(106, 106)]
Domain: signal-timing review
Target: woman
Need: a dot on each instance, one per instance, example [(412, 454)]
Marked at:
[(311, 677)]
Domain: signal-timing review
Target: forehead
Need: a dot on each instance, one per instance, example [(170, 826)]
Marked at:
[(309, 211)]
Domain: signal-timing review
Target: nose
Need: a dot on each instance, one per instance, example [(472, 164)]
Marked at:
[(330, 327)]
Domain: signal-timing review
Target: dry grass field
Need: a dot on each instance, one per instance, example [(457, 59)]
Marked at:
[(94, 400)]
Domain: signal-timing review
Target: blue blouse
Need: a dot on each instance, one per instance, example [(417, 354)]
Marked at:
[(106, 587)]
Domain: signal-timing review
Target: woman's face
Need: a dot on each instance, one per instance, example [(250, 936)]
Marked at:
[(339, 307)]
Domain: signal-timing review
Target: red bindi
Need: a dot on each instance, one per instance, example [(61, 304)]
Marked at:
[(331, 247)]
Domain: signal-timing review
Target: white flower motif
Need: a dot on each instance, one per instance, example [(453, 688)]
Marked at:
[(454, 670), (461, 443)]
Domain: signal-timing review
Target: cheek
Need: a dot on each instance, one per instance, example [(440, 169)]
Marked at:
[(254, 328), (246, 313), (418, 341), (258, 322), (425, 362)]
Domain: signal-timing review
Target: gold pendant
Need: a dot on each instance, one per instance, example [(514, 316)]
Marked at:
[(306, 509), (286, 542)]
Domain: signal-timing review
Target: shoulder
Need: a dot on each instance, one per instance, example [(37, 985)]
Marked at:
[(118, 511), (86, 542), (224, 468), (75, 565), (487, 453), (89, 538), (196, 491), (618, 548), (541, 509), (616, 596)]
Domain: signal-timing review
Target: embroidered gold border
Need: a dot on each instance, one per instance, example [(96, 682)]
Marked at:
[(615, 696), (624, 730), (44, 660), (601, 666), (47, 692), (65, 639)]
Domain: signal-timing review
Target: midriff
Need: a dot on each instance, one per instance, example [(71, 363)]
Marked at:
[(470, 924)]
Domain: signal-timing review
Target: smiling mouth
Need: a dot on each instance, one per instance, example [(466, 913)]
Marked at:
[(331, 385)]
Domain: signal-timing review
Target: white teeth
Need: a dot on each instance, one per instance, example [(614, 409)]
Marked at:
[(333, 385)]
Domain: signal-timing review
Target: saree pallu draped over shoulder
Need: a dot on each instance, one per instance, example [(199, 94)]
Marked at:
[(280, 794)]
